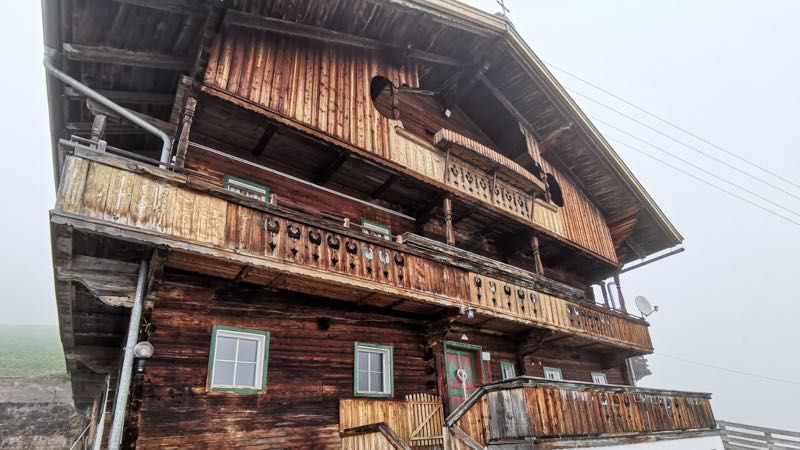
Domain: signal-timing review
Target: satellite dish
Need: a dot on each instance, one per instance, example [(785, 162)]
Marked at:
[(644, 306)]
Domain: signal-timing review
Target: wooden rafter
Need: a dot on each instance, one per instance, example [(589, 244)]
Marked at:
[(111, 55), (385, 186), (125, 97), (330, 37), (173, 6), (329, 171), (269, 132)]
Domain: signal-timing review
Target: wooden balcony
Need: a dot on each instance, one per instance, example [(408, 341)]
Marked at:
[(213, 231), (559, 414)]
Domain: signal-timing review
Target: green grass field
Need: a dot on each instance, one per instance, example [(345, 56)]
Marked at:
[(30, 351)]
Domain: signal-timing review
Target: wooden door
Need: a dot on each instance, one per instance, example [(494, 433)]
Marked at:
[(462, 375)]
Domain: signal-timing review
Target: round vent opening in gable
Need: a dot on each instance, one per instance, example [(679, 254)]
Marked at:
[(554, 189), (382, 92)]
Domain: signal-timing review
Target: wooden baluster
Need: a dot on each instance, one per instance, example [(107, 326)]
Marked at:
[(183, 140), (537, 257), (448, 221)]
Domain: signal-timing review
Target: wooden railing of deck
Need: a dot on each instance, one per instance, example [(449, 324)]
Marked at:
[(527, 409), (738, 436), (160, 205)]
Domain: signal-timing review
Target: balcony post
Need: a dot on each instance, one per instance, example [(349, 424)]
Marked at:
[(603, 289), (619, 293), (537, 257), (183, 139), (448, 221)]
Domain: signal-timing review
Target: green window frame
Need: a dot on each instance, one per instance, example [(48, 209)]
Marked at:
[(386, 353), (505, 367), (376, 229), (602, 375), (553, 370), (246, 188), (261, 337)]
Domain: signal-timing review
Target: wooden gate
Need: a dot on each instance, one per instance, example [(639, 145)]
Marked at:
[(425, 420), (417, 420)]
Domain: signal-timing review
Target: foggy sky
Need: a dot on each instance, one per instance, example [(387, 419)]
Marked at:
[(726, 70)]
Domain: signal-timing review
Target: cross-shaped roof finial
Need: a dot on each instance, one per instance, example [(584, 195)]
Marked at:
[(503, 10)]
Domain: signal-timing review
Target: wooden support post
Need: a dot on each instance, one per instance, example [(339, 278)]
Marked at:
[(537, 257), (98, 131), (603, 289), (183, 139), (93, 420), (619, 293), (448, 221)]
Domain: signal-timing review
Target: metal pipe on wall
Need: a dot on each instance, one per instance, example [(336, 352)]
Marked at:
[(124, 384), (166, 147)]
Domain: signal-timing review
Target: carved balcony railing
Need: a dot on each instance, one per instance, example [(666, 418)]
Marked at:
[(528, 409), (220, 233)]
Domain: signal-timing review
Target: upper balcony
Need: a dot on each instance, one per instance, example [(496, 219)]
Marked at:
[(280, 244)]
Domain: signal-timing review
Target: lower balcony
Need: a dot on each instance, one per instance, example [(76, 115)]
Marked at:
[(538, 413)]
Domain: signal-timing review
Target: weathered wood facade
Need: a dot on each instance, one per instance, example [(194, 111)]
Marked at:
[(389, 209)]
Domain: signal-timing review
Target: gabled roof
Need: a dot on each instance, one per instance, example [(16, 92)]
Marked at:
[(138, 54)]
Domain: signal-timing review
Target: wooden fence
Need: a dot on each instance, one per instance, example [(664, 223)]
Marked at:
[(417, 420), (737, 436)]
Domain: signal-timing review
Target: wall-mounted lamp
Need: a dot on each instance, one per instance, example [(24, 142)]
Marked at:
[(142, 351)]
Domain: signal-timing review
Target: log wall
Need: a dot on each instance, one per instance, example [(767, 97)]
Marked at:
[(309, 368)]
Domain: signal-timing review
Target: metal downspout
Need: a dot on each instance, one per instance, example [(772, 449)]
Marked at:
[(166, 147), (124, 384)]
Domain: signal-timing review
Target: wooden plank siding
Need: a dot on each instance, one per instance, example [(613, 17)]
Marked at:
[(529, 408), (307, 257), (327, 89)]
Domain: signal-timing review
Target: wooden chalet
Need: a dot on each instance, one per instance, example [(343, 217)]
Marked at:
[(340, 224)]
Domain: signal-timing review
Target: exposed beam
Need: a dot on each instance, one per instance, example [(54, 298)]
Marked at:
[(552, 138), (172, 6), (329, 37), (269, 131), (212, 27), (464, 215), (424, 213), (385, 186), (329, 171), (509, 106), (125, 97), (467, 79), (111, 55)]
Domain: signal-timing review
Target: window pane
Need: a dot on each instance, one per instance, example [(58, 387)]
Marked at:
[(363, 358), (376, 381), (376, 362), (246, 374), (248, 350), (226, 348), (223, 373), (363, 381)]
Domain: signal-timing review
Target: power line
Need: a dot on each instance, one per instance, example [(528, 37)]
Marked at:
[(707, 155), (662, 150), (733, 194), (676, 126), (725, 369)]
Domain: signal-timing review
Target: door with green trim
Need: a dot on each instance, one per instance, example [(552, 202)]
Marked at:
[(462, 375)]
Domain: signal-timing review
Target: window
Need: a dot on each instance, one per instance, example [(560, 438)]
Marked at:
[(377, 230), (599, 378), (373, 370), (508, 369), (246, 188), (238, 359), (553, 373)]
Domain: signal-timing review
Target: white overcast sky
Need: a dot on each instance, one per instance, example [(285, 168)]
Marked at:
[(727, 70)]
